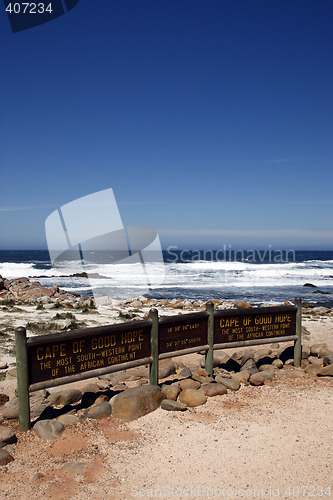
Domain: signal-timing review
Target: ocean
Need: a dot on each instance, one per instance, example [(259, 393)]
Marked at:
[(256, 277)]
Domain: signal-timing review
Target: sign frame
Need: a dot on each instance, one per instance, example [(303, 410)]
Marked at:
[(25, 346)]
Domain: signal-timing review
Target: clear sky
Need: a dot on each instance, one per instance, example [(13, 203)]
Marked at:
[(210, 119)]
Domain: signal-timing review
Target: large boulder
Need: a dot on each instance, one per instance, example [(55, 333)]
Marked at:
[(134, 403)]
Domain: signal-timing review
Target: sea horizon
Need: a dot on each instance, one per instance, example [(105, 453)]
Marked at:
[(308, 274)]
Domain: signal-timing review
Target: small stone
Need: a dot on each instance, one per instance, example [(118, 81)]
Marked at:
[(328, 360), (312, 369), (166, 367), (90, 388), (69, 419), (316, 361), (268, 374), (230, 383), (48, 429), (3, 365), (65, 397), (216, 362), (320, 310), (102, 410), (289, 362), (75, 467), (170, 405), (189, 384), (3, 399), (242, 377), (101, 399), (192, 397), (7, 436), (250, 366), (242, 356), (37, 477), (241, 304), (5, 457), (185, 373), (171, 391), (263, 368), (327, 371), (202, 376), (257, 379), (277, 363), (314, 349), (214, 389)]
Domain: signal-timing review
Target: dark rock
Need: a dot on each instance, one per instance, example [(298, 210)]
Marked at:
[(3, 399), (310, 285), (328, 360), (185, 373), (7, 436), (5, 457), (250, 366)]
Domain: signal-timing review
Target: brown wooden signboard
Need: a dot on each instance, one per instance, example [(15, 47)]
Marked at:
[(61, 355), (254, 324), (183, 331)]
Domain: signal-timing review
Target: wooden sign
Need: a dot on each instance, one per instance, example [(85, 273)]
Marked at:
[(254, 324), (182, 332), (60, 355)]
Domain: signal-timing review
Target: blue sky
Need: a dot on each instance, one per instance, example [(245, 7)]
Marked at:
[(210, 119)]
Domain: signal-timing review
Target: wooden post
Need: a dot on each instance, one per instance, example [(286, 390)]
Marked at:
[(22, 378), (298, 342), (153, 369), (210, 339)]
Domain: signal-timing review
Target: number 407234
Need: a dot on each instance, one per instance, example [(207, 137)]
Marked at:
[(29, 8)]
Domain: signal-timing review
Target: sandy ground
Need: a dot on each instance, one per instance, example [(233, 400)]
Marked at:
[(259, 442)]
